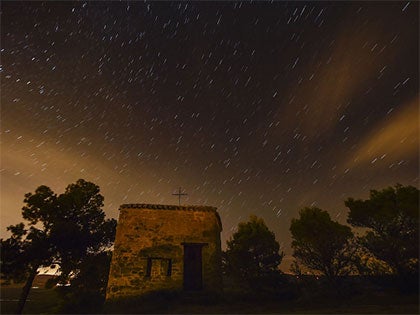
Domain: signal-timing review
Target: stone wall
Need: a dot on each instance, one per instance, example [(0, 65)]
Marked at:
[(149, 243)]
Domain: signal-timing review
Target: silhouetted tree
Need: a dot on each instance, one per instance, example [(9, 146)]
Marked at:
[(86, 293), (252, 252), (321, 244), (21, 256), (367, 264), (61, 230), (392, 216)]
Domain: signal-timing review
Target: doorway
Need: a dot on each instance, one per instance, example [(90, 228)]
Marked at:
[(193, 267)]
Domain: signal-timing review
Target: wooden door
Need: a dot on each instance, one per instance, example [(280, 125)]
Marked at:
[(193, 267)]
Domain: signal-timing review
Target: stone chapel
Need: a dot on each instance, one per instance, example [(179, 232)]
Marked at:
[(165, 247)]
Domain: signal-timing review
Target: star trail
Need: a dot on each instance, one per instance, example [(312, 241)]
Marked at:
[(254, 108)]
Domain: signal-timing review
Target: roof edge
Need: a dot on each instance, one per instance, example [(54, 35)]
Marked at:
[(167, 207), (173, 207)]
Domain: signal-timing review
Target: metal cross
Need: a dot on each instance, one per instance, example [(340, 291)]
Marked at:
[(179, 194)]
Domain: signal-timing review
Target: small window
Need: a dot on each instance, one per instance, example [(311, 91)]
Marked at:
[(161, 267)]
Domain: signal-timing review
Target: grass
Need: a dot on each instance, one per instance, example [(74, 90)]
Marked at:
[(40, 301), (47, 301), (234, 302)]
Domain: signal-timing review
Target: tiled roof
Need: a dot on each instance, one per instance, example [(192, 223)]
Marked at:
[(166, 207)]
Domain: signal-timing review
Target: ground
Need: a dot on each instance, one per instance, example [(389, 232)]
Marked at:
[(42, 301)]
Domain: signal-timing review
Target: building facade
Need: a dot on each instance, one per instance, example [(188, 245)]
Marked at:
[(165, 247)]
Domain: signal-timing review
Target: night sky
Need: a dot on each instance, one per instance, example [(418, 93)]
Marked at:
[(259, 108)]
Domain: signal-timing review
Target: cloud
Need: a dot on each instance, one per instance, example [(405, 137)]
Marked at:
[(395, 138), (337, 77)]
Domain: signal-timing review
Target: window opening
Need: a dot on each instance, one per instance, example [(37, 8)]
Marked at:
[(149, 267)]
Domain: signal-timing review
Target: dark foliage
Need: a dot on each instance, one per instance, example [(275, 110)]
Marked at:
[(392, 217), (252, 252), (322, 245), (86, 293), (65, 230)]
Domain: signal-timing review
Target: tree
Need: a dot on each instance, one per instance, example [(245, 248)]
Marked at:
[(252, 252), (321, 244), (86, 293), (60, 229), (21, 256), (367, 264), (392, 217)]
